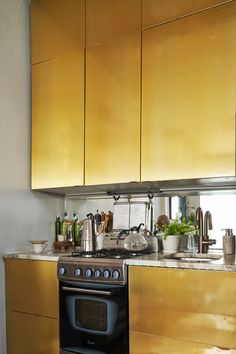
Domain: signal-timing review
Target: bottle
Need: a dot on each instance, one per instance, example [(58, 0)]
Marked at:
[(69, 233), (228, 242), (64, 224), (97, 217), (57, 227), (75, 227)]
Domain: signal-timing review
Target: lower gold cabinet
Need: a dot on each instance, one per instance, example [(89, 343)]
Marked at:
[(32, 287), (32, 306), (181, 311), (30, 334)]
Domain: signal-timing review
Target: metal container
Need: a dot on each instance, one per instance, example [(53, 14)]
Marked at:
[(88, 239), (152, 244), (228, 242)]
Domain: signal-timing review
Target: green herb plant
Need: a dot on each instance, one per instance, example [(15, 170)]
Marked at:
[(178, 227)]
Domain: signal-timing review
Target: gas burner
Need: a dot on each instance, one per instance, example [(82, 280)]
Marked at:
[(84, 254), (114, 253)]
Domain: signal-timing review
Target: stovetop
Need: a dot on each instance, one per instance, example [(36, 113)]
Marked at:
[(103, 266), (114, 253)]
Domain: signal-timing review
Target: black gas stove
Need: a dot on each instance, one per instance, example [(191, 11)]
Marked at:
[(93, 293), (102, 266)]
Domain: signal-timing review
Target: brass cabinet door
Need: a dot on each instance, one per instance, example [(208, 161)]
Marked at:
[(32, 287), (181, 311), (58, 45), (188, 91), (112, 131), (107, 20), (57, 27), (30, 334), (58, 122), (155, 12)]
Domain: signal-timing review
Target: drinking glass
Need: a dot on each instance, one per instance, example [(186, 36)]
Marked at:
[(191, 245)]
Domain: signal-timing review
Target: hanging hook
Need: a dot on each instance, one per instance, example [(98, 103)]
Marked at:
[(150, 196), (116, 198)]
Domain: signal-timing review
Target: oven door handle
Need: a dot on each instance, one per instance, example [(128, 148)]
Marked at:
[(88, 291)]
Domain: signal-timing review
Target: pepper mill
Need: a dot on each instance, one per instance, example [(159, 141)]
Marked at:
[(228, 242)]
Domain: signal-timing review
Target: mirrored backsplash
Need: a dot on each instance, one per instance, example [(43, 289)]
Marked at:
[(221, 205)]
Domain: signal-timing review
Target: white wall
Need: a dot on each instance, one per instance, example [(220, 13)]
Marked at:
[(24, 214)]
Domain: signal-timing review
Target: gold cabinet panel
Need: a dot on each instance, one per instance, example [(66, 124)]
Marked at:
[(107, 20), (58, 122), (142, 343), (29, 334), (155, 12), (113, 64), (57, 27), (32, 287), (188, 92), (174, 308), (112, 133)]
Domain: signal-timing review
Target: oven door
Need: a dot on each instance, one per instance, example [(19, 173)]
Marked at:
[(93, 318)]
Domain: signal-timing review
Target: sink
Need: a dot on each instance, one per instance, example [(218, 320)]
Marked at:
[(194, 257)]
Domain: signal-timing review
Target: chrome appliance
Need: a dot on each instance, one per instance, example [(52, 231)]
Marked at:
[(88, 239)]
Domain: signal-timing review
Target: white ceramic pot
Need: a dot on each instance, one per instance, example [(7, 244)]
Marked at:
[(171, 243)]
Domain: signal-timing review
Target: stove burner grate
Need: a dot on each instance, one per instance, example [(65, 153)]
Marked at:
[(118, 253)]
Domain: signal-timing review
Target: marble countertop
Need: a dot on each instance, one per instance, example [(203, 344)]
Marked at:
[(225, 263), (48, 255)]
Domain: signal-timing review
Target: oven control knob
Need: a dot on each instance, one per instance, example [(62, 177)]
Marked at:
[(61, 271), (97, 273), (77, 272), (106, 273), (116, 274), (88, 273)]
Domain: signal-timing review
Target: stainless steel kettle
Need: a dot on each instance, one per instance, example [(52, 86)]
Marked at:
[(88, 239)]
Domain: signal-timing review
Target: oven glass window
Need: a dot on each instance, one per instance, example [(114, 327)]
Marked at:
[(91, 314)]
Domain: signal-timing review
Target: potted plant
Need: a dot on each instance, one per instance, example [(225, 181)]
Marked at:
[(172, 233)]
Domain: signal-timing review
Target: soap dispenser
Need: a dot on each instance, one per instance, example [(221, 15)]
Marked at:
[(228, 242)]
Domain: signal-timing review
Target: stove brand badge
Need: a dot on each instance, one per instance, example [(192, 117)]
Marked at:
[(90, 342)]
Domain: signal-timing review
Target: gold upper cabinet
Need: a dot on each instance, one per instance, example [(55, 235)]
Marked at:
[(112, 131), (188, 91), (58, 41), (157, 11), (107, 20), (57, 27), (58, 122)]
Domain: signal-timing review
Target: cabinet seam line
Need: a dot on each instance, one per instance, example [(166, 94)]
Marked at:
[(187, 15), (140, 97)]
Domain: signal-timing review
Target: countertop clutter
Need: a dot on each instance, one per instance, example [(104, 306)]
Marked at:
[(225, 263)]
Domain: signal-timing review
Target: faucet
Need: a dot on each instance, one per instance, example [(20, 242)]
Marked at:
[(199, 227), (206, 242), (203, 225)]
